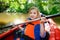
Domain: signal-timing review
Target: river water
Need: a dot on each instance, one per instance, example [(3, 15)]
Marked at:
[(6, 18)]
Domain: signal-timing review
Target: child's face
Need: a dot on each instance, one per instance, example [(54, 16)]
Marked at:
[(33, 14)]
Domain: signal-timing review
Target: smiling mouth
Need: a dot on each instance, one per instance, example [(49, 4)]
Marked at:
[(32, 16)]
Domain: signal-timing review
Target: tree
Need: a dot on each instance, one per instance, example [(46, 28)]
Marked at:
[(47, 7)]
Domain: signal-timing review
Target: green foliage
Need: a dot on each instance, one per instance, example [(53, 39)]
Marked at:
[(45, 6), (3, 6)]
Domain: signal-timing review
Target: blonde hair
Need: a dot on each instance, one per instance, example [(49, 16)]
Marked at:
[(38, 12)]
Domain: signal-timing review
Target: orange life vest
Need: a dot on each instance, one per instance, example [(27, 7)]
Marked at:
[(29, 30)]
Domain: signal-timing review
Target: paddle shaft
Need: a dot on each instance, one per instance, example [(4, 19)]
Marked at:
[(47, 17)]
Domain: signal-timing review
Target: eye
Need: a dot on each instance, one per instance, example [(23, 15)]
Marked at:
[(34, 13)]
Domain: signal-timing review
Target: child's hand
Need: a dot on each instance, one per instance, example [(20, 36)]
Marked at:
[(20, 27), (43, 19)]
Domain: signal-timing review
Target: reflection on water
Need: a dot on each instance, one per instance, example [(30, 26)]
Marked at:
[(8, 18)]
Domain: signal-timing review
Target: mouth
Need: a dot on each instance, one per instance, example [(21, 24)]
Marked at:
[(32, 16)]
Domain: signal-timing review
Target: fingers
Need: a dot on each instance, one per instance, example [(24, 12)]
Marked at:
[(43, 19), (20, 27)]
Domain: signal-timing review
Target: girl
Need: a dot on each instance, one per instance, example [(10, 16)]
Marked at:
[(34, 30)]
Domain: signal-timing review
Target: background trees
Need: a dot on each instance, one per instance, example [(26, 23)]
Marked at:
[(45, 6)]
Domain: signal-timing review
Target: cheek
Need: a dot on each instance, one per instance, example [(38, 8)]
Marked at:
[(30, 14), (35, 15)]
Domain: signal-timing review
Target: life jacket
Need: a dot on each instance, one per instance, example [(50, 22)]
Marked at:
[(30, 28)]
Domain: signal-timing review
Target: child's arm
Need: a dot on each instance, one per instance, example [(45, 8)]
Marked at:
[(20, 27), (42, 28)]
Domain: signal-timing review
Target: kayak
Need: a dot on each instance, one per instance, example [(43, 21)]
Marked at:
[(54, 32)]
